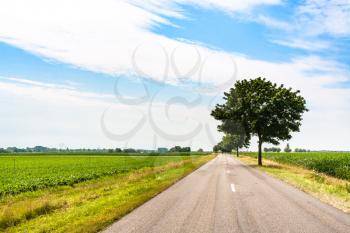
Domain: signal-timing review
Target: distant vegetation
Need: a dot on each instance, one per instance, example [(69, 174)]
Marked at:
[(301, 150), (43, 149), (287, 149), (335, 164), (180, 149), (272, 149)]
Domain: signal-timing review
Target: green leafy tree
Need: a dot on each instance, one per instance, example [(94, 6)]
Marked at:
[(226, 144), (239, 138), (180, 149), (118, 150), (216, 148), (230, 142), (236, 141), (264, 109)]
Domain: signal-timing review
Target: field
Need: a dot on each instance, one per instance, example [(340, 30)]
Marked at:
[(336, 164), (100, 189), (31, 172)]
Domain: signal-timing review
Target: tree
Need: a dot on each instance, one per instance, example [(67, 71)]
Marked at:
[(2, 150), (236, 141), (216, 148), (200, 150), (287, 149), (225, 145), (272, 149), (301, 150), (235, 134), (129, 150), (180, 149), (118, 150), (175, 149), (264, 109)]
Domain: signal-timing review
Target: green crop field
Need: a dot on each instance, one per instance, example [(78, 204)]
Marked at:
[(31, 172), (83, 193), (335, 164)]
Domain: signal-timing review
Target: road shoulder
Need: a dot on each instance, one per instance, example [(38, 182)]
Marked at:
[(333, 191)]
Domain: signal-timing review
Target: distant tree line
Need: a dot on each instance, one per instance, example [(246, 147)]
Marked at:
[(286, 149), (301, 150), (42, 149), (272, 149), (180, 149)]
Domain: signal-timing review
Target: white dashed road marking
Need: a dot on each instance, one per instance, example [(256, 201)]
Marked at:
[(233, 188)]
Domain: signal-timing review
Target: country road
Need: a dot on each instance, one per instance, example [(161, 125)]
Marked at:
[(227, 196)]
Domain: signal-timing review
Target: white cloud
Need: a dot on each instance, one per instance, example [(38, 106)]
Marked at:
[(325, 17), (304, 44), (310, 20), (315, 17), (274, 23), (171, 7), (36, 83), (103, 36), (73, 117), (39, 114)]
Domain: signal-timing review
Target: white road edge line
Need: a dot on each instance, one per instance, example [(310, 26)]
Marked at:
[(233, 188)]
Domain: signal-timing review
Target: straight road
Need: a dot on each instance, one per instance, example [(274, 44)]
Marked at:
[(227, 196)]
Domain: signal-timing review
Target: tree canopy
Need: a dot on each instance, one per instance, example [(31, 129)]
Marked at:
[(263, 109), (230, 142)]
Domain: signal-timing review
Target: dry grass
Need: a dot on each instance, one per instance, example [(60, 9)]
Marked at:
[(333, 191)]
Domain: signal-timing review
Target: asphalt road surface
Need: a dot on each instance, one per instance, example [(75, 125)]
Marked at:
[(227, 196)]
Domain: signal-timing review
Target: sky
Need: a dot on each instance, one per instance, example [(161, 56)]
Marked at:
[(147, 73)]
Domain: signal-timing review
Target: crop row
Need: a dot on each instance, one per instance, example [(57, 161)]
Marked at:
[(28, 173), (335, 164)]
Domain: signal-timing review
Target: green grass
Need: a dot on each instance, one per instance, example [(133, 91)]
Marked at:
[(336, 164), (92, 205), (328, 189), (23, 173)]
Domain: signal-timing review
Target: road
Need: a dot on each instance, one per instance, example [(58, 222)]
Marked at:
[(227, 196)]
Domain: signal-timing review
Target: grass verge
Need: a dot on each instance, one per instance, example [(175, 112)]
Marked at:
[(92, 205), (333, 191)]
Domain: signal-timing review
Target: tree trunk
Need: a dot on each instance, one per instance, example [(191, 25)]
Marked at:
[(259, 154), (237, 152)]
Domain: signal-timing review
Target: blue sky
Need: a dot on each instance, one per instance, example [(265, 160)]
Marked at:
[(60, 64)]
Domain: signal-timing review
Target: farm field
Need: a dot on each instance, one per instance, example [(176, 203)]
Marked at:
[(336, 164), (121, 184), (31, 172)]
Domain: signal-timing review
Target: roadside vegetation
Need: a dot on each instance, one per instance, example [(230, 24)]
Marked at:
[(336, 164), (294, 170), (92, 205)]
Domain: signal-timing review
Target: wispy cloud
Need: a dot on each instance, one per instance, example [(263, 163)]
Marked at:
[(173, 7), (325, 17), (274, 23), (304, 44), (37, 83), (309, 22)]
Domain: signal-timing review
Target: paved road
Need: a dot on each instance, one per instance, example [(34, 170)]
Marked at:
[(228, 196)]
